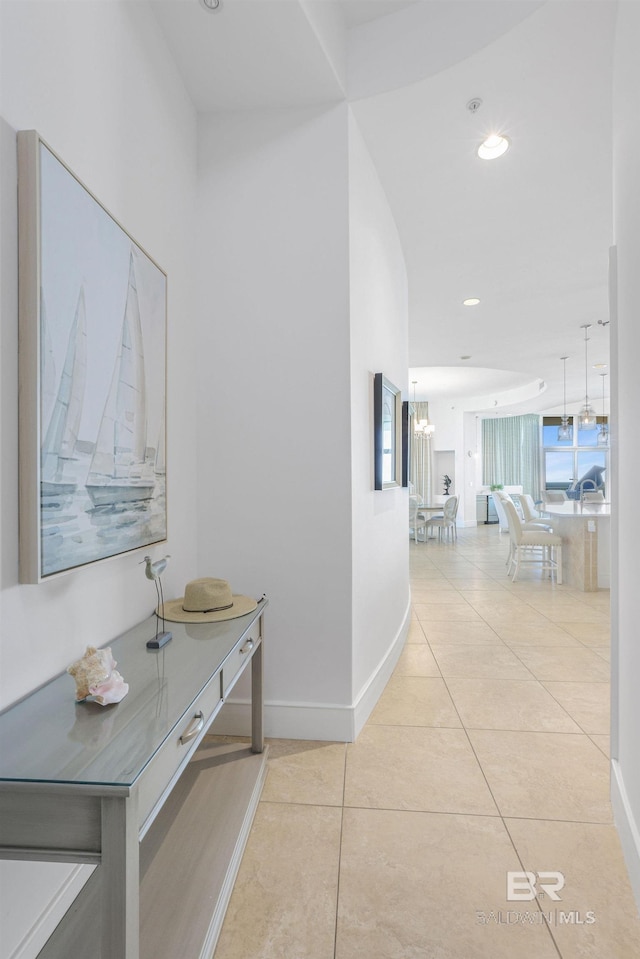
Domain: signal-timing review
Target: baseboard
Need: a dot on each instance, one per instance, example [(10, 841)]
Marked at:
[(627, 828), (325, 722), (372, 690)]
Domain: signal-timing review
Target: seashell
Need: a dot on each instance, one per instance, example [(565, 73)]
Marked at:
[(111, 691), (96, 676)]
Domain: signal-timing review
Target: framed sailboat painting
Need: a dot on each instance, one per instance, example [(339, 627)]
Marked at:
[(92, 376)]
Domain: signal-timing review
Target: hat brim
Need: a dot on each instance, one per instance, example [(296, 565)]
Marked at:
[(173, 611)]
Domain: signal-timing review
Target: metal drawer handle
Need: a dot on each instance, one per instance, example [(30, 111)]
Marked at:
[(248, 646), (194, 727)]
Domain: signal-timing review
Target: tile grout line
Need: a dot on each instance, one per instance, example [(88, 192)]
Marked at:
[(546, 922), (579, 725), (487, 729), (342, 809)]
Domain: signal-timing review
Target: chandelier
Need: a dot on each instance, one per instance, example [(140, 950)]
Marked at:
[(421, 427)]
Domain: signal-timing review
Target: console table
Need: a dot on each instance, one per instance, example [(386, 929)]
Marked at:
[(133, 789)]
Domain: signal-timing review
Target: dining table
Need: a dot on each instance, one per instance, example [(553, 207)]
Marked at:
[(429, 508)]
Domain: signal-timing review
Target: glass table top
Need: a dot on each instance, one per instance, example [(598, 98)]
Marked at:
[(50, 738)]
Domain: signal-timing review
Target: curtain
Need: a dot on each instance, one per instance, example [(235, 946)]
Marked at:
[(511, 453), (422, 475)]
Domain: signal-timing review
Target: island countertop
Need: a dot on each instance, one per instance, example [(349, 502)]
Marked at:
[(572, 508)]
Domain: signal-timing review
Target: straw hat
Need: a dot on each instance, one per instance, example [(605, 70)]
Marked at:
[(206, 600)]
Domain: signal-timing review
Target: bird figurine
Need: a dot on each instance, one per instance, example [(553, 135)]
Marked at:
[(154, 571)]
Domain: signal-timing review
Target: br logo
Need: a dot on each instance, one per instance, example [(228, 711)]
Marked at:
[(523, 886)]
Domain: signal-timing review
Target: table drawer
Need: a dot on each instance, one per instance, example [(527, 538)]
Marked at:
[(158, 775), (238, 658)]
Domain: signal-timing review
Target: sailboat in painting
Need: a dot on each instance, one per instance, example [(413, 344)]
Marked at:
[(59, 444), (160, 464), (118, 473), (47, 369)]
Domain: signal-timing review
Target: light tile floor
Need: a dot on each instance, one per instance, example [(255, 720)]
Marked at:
[(486, 753)]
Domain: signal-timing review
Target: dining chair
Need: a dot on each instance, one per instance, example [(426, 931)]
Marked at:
[(503, 523), (530, 514), (447, 521), (417, 521), (532, 547), (499, 498)]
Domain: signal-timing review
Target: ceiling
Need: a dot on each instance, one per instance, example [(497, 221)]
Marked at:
[(357, 12), (527, 234)]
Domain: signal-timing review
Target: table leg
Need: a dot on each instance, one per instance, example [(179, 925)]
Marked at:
[(120, 867), (257, 711)]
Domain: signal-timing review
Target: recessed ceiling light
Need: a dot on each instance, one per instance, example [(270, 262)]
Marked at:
[(599, 366), (493, 147), (211, 5), (472, 301)]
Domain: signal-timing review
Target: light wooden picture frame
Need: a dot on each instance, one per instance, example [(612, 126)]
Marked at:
[(92, 376)]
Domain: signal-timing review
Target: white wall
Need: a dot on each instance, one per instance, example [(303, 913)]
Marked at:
[(286, 199), (624, 441), (273, 380), (448, 417), (471, 466), (95, 80), (379, 343)]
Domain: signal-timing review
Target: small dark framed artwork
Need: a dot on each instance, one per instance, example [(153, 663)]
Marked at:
[(387, 433), (406, 443)]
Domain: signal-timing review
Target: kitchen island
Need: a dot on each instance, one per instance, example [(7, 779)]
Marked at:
[(585, 529)]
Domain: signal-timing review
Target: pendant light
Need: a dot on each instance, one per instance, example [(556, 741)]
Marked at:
[(565, 430), (603, 431), (587, 419)]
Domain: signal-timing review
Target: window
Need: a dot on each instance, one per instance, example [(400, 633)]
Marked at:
[(568, 463), (559, 469)]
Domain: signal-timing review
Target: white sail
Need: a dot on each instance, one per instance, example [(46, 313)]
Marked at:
[(47, 372), (62, 432), (160, 465), (115, 474)]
